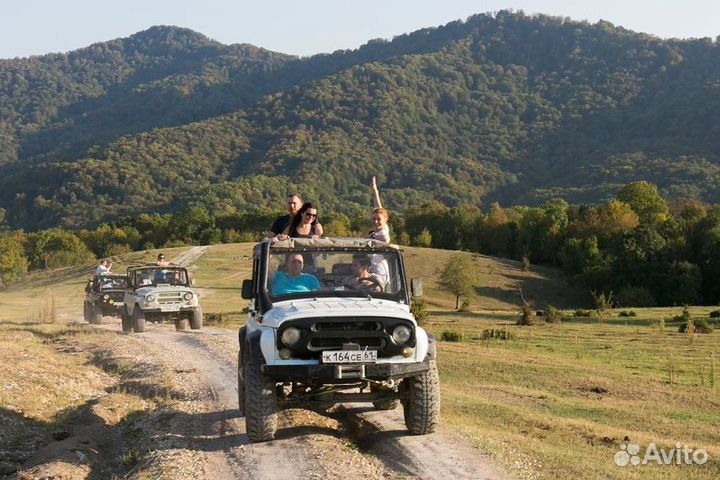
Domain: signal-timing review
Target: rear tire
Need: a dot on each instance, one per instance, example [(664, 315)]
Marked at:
[(260, 403), (96, 315), (138, 320), (196, 319), (422, 409), (127, 323)]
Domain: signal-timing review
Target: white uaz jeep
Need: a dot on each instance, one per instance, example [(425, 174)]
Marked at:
[(330, 322), (160, 294)]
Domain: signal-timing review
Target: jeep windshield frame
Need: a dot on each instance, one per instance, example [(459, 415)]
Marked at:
[(154, 275), (106, 283), (330, 263)]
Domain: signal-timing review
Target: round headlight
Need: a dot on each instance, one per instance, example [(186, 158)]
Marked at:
[(188, 296), (106, 296), (290, 336), (149, 298), (401, 334)]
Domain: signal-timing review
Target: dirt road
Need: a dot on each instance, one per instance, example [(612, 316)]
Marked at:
[(187, 424), (308, 445)]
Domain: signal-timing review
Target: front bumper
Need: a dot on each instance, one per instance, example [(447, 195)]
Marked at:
[(330, 373), (169, 312)]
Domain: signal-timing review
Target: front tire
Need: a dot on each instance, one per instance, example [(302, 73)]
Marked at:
[(260, 403), (241, 385), (86, 313), (138, 320), (196, 319), (127, 323), (422, 409), (96, 315)]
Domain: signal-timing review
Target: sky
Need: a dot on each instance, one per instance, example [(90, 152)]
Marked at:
[(307, 27)]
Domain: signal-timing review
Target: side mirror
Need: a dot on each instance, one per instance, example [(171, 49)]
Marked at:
[(247, 289), (416, 287), (192, 282)]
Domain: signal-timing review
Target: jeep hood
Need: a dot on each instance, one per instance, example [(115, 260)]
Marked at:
[(163, 288), (334, 307)]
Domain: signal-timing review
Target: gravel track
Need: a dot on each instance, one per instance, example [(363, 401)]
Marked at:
[(355, 441)]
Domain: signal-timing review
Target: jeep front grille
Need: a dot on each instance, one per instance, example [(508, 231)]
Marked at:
[(169, 297), (318, 334)]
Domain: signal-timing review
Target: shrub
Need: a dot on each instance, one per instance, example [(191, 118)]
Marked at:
[(218, 318), (552, 315), (527, 314), (627, 313), (582, 313), (419, 309), (497, 334), (715, 314), (698, 325), (525, 263), (635, 297), (448, 336), (602, 300)]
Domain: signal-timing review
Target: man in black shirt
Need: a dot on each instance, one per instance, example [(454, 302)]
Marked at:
[(294, 202)]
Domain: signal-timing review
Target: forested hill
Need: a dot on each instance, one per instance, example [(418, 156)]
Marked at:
[(506, 107)]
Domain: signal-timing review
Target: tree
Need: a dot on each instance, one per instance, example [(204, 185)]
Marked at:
[(644, 199), (13, 261), (458, 276), (56, 248)]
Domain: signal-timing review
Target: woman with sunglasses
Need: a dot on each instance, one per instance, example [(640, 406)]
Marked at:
[(305, 223)]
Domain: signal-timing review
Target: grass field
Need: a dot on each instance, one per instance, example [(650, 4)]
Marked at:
[(554, 401), (558, 400)]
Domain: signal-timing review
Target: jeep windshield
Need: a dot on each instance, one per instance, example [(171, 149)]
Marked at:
[(160, 275), (325, 272), (112, 283)]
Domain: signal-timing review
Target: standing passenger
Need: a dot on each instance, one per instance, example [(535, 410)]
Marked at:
[(281, 223), (305, 224)]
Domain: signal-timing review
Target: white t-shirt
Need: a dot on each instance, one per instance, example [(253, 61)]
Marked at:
[(378, 264), (101, 269)]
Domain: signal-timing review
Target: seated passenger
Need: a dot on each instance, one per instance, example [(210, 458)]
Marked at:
[(293, 280), (362, 279)]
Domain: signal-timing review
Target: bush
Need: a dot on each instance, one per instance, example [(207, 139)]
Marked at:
[(218, 318), (497, 334), (582, 313), (448, 336), (527, 315), (419, 309), (627, 313), (552, 315), (715, 314), (635, 297), (700, 325)]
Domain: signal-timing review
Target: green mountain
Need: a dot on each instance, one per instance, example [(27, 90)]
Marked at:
[(507, 107)]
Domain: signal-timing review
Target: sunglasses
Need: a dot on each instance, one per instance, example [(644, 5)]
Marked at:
[(308, 214)]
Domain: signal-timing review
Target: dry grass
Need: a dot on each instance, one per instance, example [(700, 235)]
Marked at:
[(554, 401), (557, 401)]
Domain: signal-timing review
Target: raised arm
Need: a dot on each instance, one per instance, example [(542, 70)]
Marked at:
[(375, 193)]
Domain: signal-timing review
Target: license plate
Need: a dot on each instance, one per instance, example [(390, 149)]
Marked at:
[(169, 308), (349, 356)]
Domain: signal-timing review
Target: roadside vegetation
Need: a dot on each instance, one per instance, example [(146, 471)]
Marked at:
[(558, 400), (554, 399)]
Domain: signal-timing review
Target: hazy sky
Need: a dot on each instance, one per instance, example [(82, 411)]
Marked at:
[(305, 27)]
